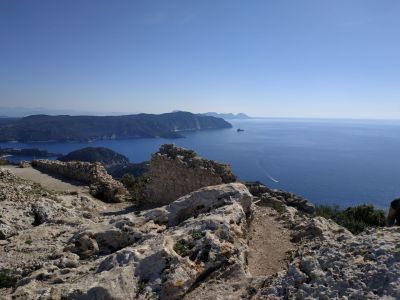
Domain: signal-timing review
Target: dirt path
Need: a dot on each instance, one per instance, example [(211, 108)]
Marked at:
[(269, 243), (47, 181)]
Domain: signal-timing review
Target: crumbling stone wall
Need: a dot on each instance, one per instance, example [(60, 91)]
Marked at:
[(175, 172), (102, 185)]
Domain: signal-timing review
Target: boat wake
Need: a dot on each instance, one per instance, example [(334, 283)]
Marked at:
[(272, 178), (266, 173)]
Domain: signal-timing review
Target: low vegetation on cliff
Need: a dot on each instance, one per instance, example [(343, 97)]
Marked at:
[(135, 186), (7, 279), (356, 219)]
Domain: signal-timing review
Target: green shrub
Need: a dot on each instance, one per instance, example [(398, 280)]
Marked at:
[(7, 280), (355, 219), (181, 248), (196, 235), (128, 180), (135, 186)]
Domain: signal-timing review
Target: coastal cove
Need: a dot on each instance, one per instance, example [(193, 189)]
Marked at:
[(327, 161)]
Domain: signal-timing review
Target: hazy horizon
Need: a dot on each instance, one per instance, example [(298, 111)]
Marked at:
[(286, 59), (19, 112)]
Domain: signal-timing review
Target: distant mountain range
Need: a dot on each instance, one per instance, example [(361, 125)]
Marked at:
[(227, 116), (20, 112), (90, 128)]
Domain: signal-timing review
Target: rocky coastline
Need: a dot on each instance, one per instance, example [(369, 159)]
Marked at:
[(58, 245)]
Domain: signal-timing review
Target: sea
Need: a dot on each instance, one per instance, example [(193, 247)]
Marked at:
[(333, 162)]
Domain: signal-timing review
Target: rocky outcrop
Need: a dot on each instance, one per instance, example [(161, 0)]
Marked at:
[(24, 164), (162, 253), (72, 246), (277, 198), (338, 265), (35, 224), (175, 172), (102, 185)]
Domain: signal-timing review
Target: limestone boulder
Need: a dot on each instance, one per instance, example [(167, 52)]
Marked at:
[(161, 253), (342, 266), (201, 201)]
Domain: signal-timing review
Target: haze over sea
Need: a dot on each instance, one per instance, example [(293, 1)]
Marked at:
[(344, 162)]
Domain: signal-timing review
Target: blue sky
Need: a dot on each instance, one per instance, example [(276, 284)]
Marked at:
[(310, 58)]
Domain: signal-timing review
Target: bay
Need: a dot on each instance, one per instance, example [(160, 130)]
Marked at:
[(344, 162)]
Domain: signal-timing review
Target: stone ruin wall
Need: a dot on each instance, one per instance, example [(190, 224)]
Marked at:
[(175, 172), (102, 185)]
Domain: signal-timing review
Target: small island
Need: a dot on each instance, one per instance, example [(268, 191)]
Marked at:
[(227, 116)]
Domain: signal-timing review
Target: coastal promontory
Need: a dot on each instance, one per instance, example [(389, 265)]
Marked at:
[(89, 128)]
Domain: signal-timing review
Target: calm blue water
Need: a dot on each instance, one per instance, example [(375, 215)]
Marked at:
[(326, 161)]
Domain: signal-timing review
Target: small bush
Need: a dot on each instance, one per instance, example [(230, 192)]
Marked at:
[(28, 242), (355, 219), (128, 180), (196, 235), (135, 186), (7, 280), (181, 248)]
